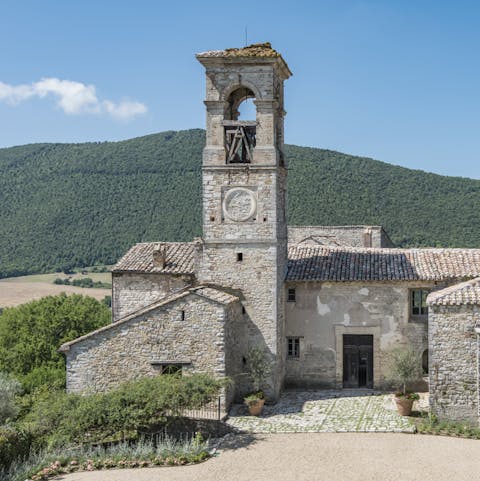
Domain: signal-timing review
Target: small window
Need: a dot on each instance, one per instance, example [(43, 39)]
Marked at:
[(243, 310), (419, 303), (293, 346), (168, 368), (291, 295), (182, 315), (239, 256)]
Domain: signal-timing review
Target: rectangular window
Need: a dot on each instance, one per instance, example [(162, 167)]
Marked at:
[(292, 294), (171, 369), (293, 346), (418, 300), (239, 256)]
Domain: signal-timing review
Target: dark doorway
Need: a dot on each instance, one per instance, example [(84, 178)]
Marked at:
[(357, 361)]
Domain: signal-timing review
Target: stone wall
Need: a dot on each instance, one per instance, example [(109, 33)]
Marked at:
[(133, 291), (127, 350), (323, 312), (338, 236), (256, 278), (262, 224), (261, 240), (453, 359), (235, 349)]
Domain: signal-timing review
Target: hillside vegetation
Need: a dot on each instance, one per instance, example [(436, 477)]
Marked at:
[(65, 205)]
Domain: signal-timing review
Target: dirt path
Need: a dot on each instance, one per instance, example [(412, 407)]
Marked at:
[(323, 457)]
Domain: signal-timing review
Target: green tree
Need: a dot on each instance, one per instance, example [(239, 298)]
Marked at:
[(31, 334)]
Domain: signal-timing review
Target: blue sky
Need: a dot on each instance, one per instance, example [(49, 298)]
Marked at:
[(397, 81)]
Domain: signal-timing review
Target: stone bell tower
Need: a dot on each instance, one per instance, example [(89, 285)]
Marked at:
[(244, 190)]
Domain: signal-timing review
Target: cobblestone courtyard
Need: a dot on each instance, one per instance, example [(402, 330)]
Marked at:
[(325, 411)]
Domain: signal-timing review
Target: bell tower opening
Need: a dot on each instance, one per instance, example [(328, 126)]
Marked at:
[(240, 126)]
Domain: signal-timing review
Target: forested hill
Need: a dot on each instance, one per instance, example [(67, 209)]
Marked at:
[(81, 204)]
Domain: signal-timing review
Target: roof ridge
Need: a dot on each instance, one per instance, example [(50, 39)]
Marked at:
[(436, 297)]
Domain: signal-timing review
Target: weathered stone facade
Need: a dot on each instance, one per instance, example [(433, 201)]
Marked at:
[(188, 329), (323, 312), (134, 291), (453, 348), (337, 236)]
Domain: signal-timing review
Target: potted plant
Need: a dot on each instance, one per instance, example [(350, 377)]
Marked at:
[(258, 368), (405, 368)]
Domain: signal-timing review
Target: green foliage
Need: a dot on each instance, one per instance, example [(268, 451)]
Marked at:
[(14, 443), (258, 369), (9, 388), (88, 203), (31, 334), (86, 282), (405, 367), (107, 300), (432, 425), (163, 451), (61, 419)]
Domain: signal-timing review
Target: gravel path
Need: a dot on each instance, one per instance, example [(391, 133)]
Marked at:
[(322, 457)]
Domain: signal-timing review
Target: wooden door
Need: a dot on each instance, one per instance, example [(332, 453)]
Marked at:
[(357, 361)]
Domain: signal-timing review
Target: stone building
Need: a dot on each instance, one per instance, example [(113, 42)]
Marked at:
[(454, 328), (325, 303)]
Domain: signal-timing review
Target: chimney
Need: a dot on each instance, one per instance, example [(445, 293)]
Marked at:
[(367, 237), (160, 255)]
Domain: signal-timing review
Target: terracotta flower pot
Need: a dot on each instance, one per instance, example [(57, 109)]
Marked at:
[(404, 406), (255, 406)]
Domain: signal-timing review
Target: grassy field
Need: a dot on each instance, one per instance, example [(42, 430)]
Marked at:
[(49, 278), (19, 290)]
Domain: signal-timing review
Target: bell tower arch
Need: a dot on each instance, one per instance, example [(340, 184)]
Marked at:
[(244, 192)]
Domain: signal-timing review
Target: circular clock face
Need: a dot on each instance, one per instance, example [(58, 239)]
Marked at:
[(239, 204)]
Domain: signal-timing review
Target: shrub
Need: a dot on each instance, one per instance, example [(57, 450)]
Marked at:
[(121, 413), (9, 388), (107, 300), (85, 282), (14, 443), (258, 367), (42, 464), (53, 377)]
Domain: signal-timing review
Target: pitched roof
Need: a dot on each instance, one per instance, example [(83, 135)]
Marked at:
[(318, 263), (207, 292), (456, 295), (323, 263), (180, 258)]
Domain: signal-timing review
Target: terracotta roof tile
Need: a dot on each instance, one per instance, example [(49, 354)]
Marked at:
[(180, 258), (456, 295), (319, 263)]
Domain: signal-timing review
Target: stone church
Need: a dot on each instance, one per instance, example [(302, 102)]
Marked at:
[(326, 304)]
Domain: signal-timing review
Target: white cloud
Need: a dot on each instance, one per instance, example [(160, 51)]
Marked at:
[(124, 110), (72, 97)]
